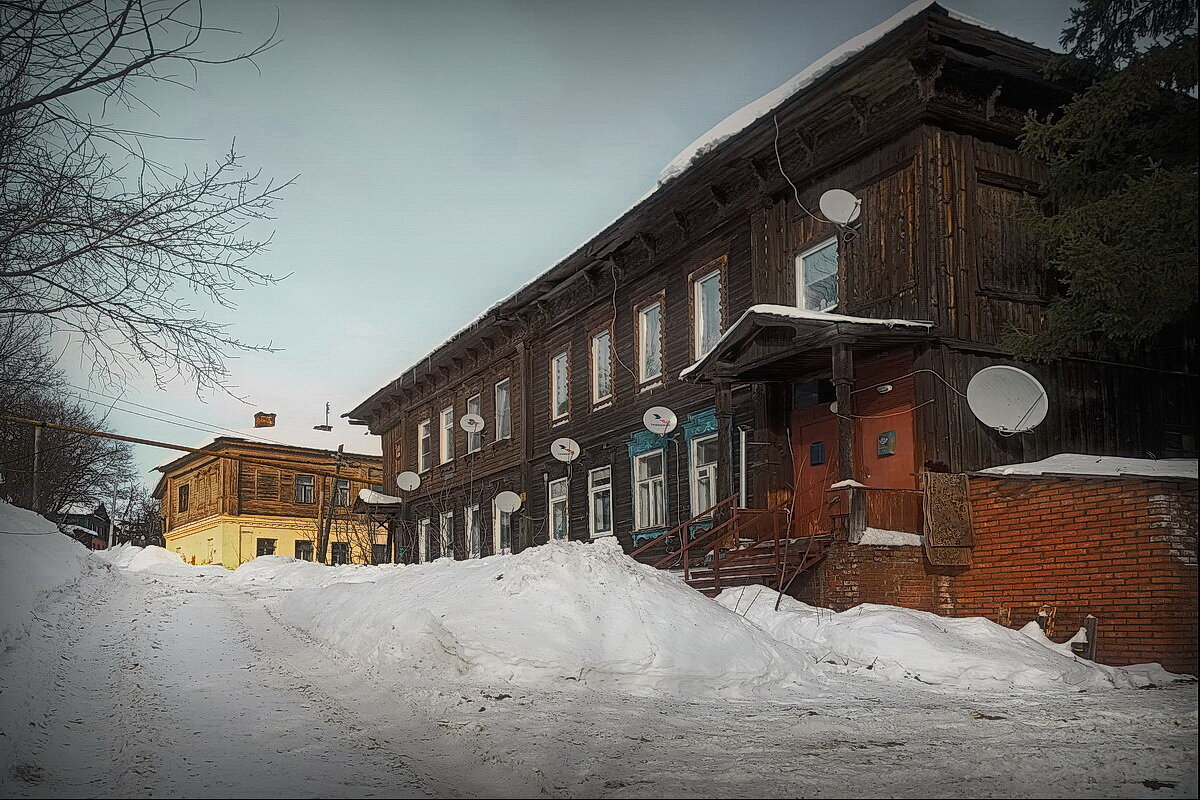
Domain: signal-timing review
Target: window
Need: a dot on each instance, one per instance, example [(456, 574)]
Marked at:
[(704, 474), (503, 410), (424, 446), (560, 398), (264, 547), (471, 523), (424, 540), (650, 366), (304, 550), (446, 534), (502, 530), (600, 502), (185, 492), (706, 303), (559, 521), (304, 489), (474, 438), (446, 434), (817, 277), (341, 492), (601, 367), (379, 554), (649, 491), (339, 552)]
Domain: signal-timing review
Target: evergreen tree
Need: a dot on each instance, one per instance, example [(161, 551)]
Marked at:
[(1119, 222)]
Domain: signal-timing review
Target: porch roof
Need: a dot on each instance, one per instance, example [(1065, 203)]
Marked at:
[(791, 337)]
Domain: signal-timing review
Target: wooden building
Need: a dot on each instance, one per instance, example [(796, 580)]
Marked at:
[(725, 296), (244, 497)]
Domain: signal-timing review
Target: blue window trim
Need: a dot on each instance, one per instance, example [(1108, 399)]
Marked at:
[(639, 443)]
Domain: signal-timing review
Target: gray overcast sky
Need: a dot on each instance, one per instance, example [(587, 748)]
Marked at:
[(449, 151)]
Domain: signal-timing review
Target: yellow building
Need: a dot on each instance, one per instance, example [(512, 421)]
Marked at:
[(241, 498)]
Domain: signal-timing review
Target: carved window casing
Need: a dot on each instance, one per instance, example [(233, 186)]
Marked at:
[(650, 338), (707, 306)]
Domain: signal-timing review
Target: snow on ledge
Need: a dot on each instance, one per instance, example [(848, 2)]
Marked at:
[(886, 538), (847, 484), (1101, 467), (374, 498), (744, 117)]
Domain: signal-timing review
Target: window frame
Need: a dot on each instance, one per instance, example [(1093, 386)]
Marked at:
[(259, 541), (551, 502), (498, 547), (446, 534), (503, 432), (446, 435), (594, 364), (424, 529), (338, 546), (475, 438), (424, 445), (661, 481), (310, 484), (714, 269), (183, 497), (649, 381), (694, 472), (593, 491), (560, 395), (341, 492), (304, 545), (801, 299), (472, 525)]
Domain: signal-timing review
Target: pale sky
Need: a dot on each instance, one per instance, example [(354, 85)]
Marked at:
[(447, 152)]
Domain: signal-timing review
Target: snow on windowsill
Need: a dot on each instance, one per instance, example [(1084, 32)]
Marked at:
[(885, 538)]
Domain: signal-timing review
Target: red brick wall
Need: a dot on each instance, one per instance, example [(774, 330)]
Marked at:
[(1121, 549)]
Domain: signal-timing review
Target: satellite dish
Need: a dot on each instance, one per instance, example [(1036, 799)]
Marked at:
[(1007, 399), (839, 206), (508, 502), (565, 449), (660, 420), (471, 423), (407, 481)]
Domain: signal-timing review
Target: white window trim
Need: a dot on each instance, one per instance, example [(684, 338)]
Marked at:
[(699, 318), (475, 440), (563, 392), (446, 533), (800, 302), (501, 434), (592, 492), (693, 468), (643, 378), (446, 435), (597, 398), (424, 527), (471, 518), (496, 539), (424, 451), (550, 501), (637, 482)]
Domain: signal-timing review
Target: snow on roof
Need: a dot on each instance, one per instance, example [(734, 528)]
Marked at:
[(795, 313), (747, 115), (82, 508), (354, 438), (1101, 467)]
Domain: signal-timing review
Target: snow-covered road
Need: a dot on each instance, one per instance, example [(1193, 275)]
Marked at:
[(160, 685)]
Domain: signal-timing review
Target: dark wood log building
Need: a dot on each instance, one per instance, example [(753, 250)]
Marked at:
[(726, 297)]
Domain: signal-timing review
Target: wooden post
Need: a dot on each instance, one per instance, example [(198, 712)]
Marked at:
[(843, 378), (327, 506), (724, 440)]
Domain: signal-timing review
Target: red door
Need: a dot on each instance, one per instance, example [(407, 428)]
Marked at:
[(814, 441)]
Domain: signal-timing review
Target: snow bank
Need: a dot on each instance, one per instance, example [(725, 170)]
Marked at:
[(901, 643), (155, 560), (566, 611), (35, 560)]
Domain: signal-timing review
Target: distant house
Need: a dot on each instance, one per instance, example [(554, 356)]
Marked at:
[(245, 496), (87, 522)]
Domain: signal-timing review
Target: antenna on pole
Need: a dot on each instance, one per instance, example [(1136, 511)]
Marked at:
[(326, 427)]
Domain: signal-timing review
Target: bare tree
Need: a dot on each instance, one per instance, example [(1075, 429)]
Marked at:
[(96, 237)]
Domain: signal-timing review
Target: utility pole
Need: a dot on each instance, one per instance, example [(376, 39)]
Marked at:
[(37, 469), (327, 520)]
